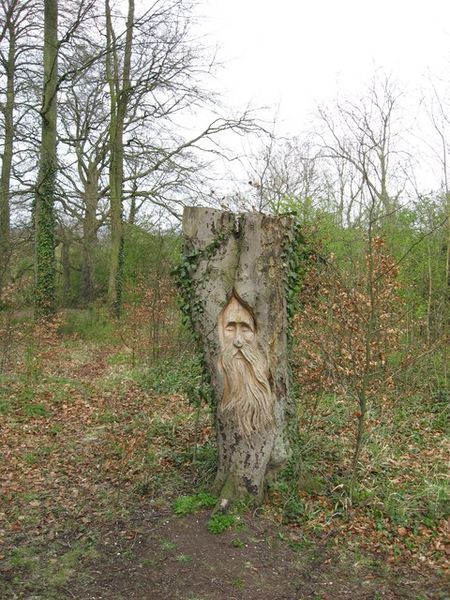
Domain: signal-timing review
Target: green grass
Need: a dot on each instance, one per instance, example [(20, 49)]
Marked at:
[(238, 543), (220, 522), (90, 325), (21, 394), (238, 583), (167, 545), (183, 558), (37, 410), (176, 375), (45, 574), (188, 504), (61, 568), (32, 458), (23, 557), (121, 358)]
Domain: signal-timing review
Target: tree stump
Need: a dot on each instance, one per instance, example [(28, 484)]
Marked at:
[(236, 266)]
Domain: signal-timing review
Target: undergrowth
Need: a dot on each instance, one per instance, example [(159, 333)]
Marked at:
[(174, 375), (403, 478), (90, 325), (78, 451)]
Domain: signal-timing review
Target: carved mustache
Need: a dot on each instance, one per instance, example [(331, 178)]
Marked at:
[(246, 350)]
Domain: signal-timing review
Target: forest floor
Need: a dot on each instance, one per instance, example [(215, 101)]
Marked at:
[(94, 455)]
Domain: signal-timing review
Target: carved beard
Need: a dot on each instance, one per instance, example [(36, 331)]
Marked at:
[(247, 396)]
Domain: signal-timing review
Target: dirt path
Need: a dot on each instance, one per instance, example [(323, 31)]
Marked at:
[(167, 557)]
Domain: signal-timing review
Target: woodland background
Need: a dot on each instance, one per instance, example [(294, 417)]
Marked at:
[(107, 130)]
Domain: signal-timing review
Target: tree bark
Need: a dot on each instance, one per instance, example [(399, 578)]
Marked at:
[(237, 265), (5, 177), (65, 266), (44, 220), (119, 87), (91, 199)]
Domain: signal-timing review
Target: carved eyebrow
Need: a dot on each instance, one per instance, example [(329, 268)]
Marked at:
[(234, 323)]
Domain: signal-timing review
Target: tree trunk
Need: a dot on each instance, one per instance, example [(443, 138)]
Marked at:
[(238, 270), (65, 266), (119, 87), (89, 237), (5, 178), (44, 220), (133, 211), (447, 262), (429, 298)]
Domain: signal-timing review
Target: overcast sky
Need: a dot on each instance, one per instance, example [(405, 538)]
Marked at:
[(293, 54)]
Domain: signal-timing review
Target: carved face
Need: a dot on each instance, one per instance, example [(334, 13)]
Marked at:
[(247, 398), (237, 326)]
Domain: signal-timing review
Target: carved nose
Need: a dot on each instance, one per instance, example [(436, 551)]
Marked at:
[(238, 341)]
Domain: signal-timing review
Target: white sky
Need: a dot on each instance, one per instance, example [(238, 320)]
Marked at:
[(292, 54)]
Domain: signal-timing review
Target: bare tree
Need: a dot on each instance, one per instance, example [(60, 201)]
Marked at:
[(360, 138), (153, 72), (19, 21), (281, 172), (440, 120), (84, 139)]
